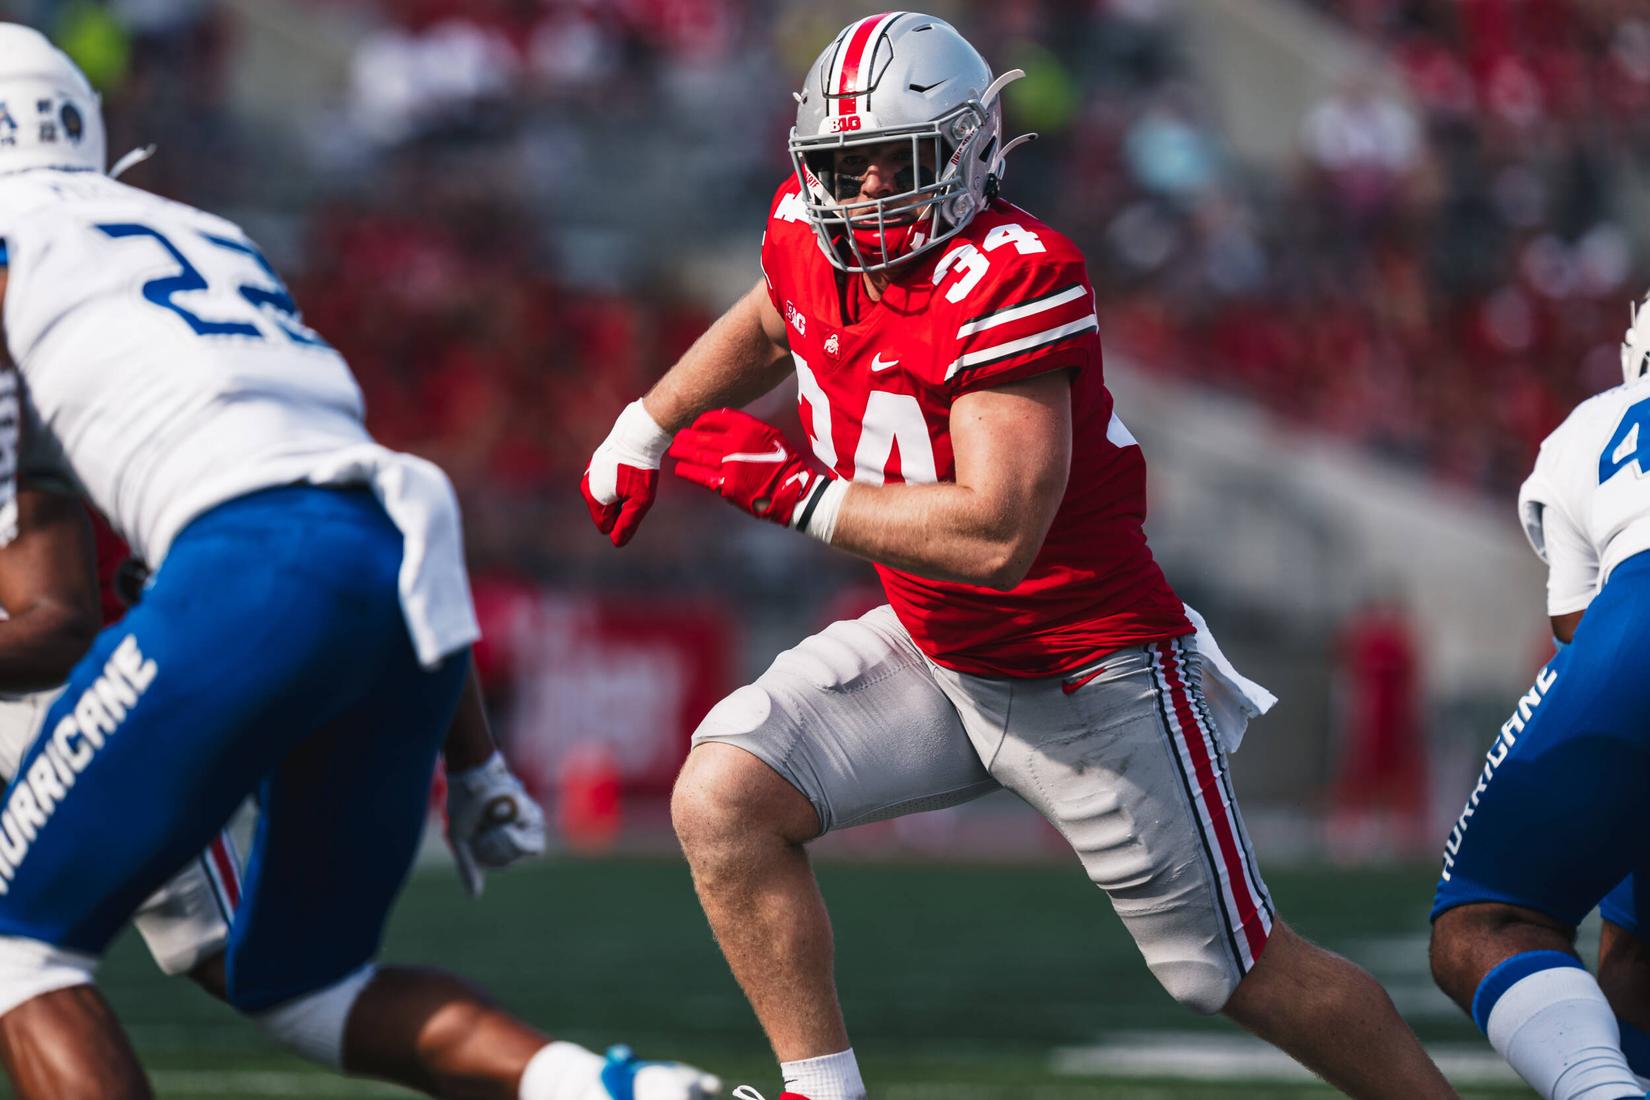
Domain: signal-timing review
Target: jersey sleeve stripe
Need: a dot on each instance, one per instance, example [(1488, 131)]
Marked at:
[(1027, 308), (1020, 347)]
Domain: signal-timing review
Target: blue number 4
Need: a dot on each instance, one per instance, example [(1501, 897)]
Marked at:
[(271, 300), (1629, 444)]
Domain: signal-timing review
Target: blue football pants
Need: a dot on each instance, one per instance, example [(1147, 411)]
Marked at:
[(270, 657)]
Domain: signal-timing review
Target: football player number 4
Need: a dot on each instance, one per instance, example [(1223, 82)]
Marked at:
[(1629, 445), (268, 309)]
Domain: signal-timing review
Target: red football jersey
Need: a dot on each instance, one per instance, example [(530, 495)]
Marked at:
[(1007, 299)]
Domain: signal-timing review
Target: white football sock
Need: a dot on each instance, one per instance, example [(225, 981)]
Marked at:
[(829, 1077), (1548, 1018), (562, 1071)]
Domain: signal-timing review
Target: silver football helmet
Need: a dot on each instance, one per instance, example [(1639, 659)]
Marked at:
[(49, 115), (1635, 345), (898, 77)]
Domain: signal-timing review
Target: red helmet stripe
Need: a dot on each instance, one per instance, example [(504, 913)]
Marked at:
[(856, 58)]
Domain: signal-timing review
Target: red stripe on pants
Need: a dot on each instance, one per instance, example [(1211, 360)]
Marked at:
[(227, 873), (1209, 793)]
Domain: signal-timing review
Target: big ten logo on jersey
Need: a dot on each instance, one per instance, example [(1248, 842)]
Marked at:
[(218, 286), (1628, 444), (894, 442), (11, 435), (794, 318)]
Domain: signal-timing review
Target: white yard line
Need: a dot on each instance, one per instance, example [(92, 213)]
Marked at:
[(1198, 1056)]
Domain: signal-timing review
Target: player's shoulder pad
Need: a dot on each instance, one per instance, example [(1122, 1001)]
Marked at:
[(1004, 258), (787, 204), (1566, 464), (21, 197), (1016, 291), (1590, 422)]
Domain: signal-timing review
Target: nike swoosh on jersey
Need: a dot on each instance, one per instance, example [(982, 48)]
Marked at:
[(878, 365), (778, 454), (1073, 685)]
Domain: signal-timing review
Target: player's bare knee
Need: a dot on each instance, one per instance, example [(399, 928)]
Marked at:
[(1455, 935), (1469, 940), (727, 799), (703, 808)]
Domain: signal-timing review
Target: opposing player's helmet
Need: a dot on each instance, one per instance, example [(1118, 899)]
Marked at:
[(49, 115), (898, 76), (1635, 346)]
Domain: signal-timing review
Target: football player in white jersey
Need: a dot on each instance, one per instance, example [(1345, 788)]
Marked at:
[(1554, 825), (304, 639)]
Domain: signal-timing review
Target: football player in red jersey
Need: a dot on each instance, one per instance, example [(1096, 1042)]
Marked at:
[(947, 357)]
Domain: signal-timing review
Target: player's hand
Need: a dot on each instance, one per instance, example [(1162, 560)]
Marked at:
[(752, 466), (623, 476), (491, 821)]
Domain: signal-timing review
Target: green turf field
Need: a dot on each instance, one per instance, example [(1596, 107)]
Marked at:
[(960, 984)]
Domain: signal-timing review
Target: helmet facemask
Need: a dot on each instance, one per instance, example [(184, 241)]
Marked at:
[(933, 197)]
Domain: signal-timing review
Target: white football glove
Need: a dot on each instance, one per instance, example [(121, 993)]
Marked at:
[(491, 821), (623, 476)]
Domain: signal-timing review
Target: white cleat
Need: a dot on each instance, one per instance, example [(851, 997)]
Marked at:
[(627, 1077)]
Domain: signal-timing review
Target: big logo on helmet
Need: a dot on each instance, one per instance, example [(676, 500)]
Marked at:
[(843, 123)]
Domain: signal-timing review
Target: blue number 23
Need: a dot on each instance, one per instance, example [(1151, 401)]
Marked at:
[(270, 300)]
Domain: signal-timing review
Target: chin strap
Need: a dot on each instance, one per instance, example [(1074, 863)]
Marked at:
[(131, 160)]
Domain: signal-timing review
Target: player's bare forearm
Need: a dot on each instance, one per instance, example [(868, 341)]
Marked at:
[(738, 359), (946, 532), (470, 738), (1013, 456), (48, 586)]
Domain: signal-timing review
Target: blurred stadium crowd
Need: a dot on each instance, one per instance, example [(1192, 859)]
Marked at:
[(511, 215), (510, 191)]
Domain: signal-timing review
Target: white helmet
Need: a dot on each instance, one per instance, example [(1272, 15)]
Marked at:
[(898, 76), (1635, 346), (49, 115)]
